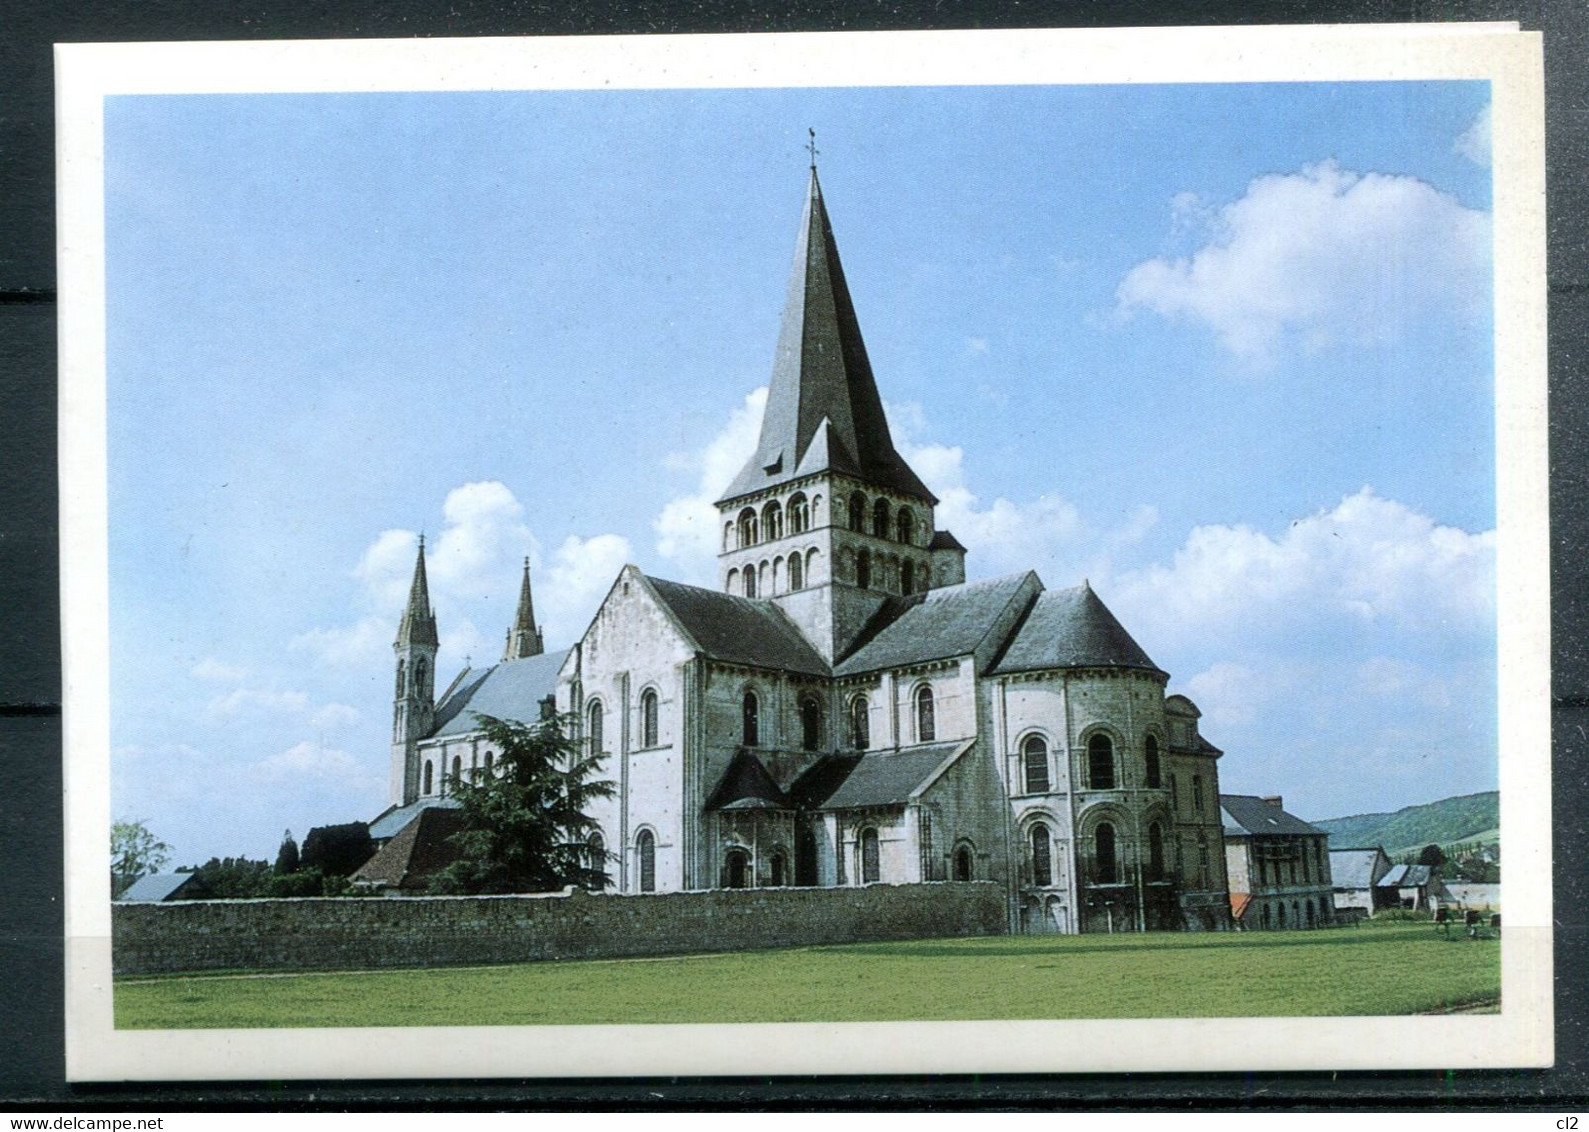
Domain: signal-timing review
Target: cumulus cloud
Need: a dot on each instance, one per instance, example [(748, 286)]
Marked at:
[(361, 644), (242, 699), (581, 572), (218, 672), (332, 716), (686, 528), (1308, 259), (1474, 142), (307, 760), (1369, 559)]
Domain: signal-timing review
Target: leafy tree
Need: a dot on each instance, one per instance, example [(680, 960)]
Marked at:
[(526, 824), (1431, 856), (337, 850), (287, 855), (232, 878), (134, 853)]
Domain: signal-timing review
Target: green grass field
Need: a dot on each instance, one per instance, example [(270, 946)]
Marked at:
[(1400, 969)]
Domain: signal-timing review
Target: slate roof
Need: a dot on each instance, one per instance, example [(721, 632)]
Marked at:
[(394, 818), (1353, 868), (1072, 628), (1406, 876), (874, 778), (1246, 815), (943, 540), (157, 887), (746, 785), (738, 630), (513, 689), (823, 410), (416, 853), (942, 623)]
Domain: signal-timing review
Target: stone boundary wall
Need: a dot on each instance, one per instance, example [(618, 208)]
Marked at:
[(436, 931)]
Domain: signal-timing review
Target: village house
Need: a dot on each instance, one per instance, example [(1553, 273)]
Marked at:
[(1278, 864)]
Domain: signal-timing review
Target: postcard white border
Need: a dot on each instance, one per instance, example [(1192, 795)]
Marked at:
[(1520, 1035)]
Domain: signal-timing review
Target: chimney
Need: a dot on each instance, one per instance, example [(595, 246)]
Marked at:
[(1274, 800)]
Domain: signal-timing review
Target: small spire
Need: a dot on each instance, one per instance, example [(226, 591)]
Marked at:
[(811, 147), (418, 626), (524, 639)]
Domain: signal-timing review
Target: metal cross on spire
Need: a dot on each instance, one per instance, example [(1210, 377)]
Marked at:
[(811, 146)]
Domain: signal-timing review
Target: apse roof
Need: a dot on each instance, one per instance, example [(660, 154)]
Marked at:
[(1072, 628)]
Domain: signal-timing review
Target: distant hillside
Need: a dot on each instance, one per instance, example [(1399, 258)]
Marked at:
[(1470, 817)]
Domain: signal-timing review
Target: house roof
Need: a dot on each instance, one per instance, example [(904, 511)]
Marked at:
[(159, 886), (1072, 628), (416, 853), (1353, 868), (746, 785), (513, 689), (738, 630), (1246, 815), (394, 818), (1406, 876), (823, 410), (942, 623), (943, 540), (875, 778)]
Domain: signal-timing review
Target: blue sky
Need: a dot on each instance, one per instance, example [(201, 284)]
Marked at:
[(1224, 350)]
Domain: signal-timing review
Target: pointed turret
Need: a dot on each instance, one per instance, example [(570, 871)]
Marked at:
[(418, 626), (823, 410), (524, 639)]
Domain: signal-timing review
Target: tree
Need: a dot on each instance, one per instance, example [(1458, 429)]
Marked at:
[(1431, 856), (336, 850), (287, 855), (526, 826), (134, 853)]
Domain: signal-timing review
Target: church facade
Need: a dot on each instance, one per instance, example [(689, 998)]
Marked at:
[(844, 708)]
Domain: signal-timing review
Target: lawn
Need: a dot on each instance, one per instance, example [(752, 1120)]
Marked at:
[(1392, 969)]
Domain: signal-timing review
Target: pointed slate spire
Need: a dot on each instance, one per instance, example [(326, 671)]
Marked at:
[(524, 639), (418, 626), (823, 410)]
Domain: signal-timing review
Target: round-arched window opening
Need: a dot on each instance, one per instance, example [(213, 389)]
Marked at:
[(1034, 758), (963, 863), (750, 729), (860, 723), (926, 724), (1103, 841), (648, 718), (736, 869), (646, 850), (810, 723), (1151, 775), (1155, 852), (1100, 763), (871, 857), (1042, 856), (858, 513)]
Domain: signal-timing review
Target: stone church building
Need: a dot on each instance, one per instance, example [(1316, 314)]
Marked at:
[(844, 707)]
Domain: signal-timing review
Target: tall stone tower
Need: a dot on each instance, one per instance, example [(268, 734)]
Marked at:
[(524, 638), (826, 518), (414, 708)]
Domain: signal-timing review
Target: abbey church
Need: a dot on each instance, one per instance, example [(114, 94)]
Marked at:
[(844, 708)]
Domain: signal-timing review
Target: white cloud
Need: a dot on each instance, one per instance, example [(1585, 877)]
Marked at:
[(686, 528), (307, 760), (580, 575), (482, 546), (218, 672), (1230, 695), (1369, 558), (1474, 142), (225, 707), (332, 716), (362, 645), (386, 569), (1318, 257)]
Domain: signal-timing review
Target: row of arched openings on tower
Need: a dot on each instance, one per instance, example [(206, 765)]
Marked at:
[(428, 772), (420, 671), (1100, 764), (766, 525)]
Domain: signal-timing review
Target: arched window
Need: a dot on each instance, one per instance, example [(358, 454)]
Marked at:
[(863, 570), (963, 865), (799, 514), (596, 859), (402, 675), (1034, 756), (871, 859), (747, 527), (750, 581), (733, 581), (906, 577), (736, 869), (860, 720), (772, 520), (1202, 866), (1042, 859), (926, 728), (797, 579), (928, 865), (728, 536), (750, 732), (489, 764), (858, 513), (805, 858), (429, 778), (810, 723), (593, 726), (1100, 763), (880, 518), (646, 849), (1267, 919), (905, 526), (1155, 852), (1151, 759), (648, 718), (457, 771), (1103, 847), (777, 869), (419, 677)]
